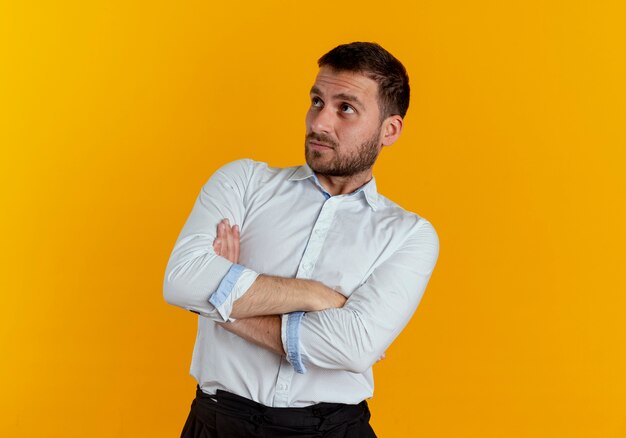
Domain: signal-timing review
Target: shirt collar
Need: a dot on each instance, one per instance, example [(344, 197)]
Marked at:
[(370, 193)]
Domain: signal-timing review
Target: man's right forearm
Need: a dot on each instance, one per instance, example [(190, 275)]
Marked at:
[(270, 295)]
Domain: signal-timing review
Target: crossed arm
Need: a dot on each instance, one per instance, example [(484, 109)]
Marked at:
[(334, 333), (257, 312)]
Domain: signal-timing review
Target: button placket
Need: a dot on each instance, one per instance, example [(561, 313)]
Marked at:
[(305, 270)]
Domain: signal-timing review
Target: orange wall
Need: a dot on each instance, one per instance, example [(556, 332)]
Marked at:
[(115, 113)]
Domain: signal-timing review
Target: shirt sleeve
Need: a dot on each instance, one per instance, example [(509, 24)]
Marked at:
[(355, 336), (196, 278)]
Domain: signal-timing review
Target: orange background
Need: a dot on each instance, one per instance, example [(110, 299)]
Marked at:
[(115, 113)]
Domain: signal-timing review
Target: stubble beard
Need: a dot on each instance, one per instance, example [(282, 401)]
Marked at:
[(343, 165)]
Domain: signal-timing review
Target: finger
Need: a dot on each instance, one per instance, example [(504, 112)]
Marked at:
[(220, 230), (223, 239), (230, 244), (219, 239), (236, 237)]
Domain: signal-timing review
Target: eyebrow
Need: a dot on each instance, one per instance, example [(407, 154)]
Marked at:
[(339, 96)]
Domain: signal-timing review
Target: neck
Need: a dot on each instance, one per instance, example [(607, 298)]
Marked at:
[(341, 185)]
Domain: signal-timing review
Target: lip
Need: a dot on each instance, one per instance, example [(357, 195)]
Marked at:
[(319, 146)]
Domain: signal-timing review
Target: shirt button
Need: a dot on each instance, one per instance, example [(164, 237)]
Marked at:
[(307, 266), (318, 232)]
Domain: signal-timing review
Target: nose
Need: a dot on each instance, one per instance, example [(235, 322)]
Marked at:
[(321, 120)]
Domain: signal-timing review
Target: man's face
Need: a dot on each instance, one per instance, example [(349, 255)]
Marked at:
[(343, 126)]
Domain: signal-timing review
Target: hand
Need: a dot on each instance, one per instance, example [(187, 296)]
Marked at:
[(330, 299), (226, 244)]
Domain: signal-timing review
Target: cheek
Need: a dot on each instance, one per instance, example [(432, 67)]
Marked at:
[(351, 134)]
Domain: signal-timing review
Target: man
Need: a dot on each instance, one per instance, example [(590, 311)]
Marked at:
[(268, 257)]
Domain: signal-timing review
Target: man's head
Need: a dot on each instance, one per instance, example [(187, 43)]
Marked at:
[(373, 61), (358, 102)]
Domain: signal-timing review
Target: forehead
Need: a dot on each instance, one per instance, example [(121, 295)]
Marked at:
[(332, 82)]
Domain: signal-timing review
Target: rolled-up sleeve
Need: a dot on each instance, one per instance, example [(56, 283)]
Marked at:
[(196, 278), (355, 336), (290, 335)]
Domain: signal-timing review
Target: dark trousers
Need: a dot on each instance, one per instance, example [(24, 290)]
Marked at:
[(226, 415)]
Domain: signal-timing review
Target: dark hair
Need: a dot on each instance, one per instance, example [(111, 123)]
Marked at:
[(377, 64)]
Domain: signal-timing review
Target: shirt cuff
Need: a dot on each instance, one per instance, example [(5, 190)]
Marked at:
[(235, 283), (290, 334)]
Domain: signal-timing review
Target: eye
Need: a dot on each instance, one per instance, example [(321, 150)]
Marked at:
[(345, 108), (316, 102)]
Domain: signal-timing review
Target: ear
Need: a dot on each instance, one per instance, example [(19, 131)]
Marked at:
[(392, 128)]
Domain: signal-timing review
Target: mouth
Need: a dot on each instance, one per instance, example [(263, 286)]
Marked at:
[(319, 146)]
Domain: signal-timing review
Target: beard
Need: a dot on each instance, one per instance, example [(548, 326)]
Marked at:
[(343, 164)]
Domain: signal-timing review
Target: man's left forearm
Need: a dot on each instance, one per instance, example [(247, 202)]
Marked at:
[(263, 331)]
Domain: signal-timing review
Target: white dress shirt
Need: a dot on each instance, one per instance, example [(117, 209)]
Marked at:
[(361, 244)]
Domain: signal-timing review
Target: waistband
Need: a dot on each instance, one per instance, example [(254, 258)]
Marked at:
[(320, 416)]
